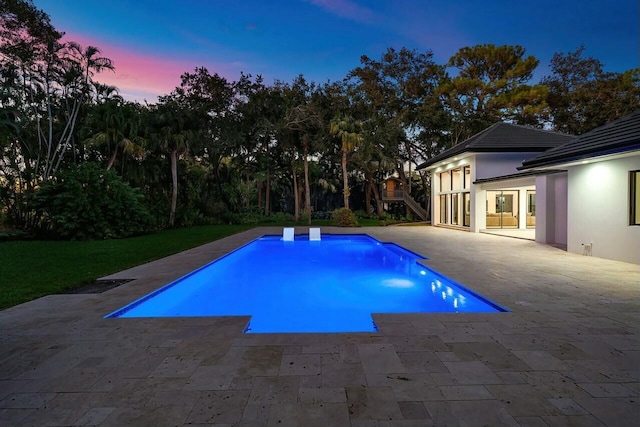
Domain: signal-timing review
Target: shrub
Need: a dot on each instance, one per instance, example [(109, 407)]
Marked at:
[(279, 217), (13, 235), (344, 217), (321, 215), (216, 208), (88, 202), (304, 217), (361, 214)]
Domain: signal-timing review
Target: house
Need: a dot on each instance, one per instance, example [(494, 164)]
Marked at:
[(476, 185), (581, 193), (602, 205)]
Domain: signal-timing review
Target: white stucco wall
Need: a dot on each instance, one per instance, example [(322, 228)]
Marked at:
[(478, 211), (551, 208), (598, 210), (490, 165), (560, 215), (543, 224)]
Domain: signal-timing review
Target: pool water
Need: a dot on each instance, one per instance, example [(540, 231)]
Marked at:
[(332, 285)]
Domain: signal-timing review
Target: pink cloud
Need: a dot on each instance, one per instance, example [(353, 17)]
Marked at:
[(140, 76), (346, 9)]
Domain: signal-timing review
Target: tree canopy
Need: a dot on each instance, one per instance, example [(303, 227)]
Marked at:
[(492, 85), (582, 96), (217, 150)]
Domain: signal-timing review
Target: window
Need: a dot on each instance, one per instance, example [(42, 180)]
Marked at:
[(531, 202), (443, 209), (453, 198), (467, 177), (445, 181), (634, 198), (502, 209), (531, 208), (455, 179), (454, 210), (466, 197)]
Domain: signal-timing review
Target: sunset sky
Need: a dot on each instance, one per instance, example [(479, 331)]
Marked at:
[(152, 42)]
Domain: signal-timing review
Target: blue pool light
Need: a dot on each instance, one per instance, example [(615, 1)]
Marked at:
[(332, 285)]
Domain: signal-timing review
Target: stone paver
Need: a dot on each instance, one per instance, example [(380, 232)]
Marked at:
[(567, 354)]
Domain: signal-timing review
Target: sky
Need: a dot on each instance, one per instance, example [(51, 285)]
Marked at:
[(152, 42)]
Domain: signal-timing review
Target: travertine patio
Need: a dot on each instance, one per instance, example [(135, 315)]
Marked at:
[(567, 355)]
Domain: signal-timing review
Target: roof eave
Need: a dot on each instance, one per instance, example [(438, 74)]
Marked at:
[(525, 174), (576, 157)]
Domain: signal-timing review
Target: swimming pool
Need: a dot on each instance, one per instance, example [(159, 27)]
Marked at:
[(332, 285)]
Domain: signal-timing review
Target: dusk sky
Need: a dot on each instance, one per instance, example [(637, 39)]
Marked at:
[(152, 42)]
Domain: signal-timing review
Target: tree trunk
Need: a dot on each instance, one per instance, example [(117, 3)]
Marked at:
[(267, 196), (259, 184), (401, 173), (367, 194), (307, 186), (247, 198), (296, 200), (408, 148), (216, 169), (376, 196), (174, 186), (112, 159), (427, 191), (300, 190), (345, 179)]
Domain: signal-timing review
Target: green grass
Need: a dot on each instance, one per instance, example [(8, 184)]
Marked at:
[(30, 269)]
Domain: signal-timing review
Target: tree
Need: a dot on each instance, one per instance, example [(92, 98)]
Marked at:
[(368, 159), (582, 96), (115, 126), (260, 111), (397, 95), (491, 86), (91, 203), (25, 33), (44, 82), (303, 122), (104, 93), (348, 132), (172, 129)]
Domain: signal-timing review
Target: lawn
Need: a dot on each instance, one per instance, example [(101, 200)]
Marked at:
[(31, 269)]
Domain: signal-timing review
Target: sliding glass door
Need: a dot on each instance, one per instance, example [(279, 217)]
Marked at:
[(466, 202), (455, 214), (502, 209), (443, 209), (531, 208)]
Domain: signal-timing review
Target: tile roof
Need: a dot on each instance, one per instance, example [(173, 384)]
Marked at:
[(619, 136), (524, 174), (504, 137)]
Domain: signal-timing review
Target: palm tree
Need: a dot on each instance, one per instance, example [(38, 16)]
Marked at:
[(172, 131), (105, 93), (349, 132), (67, 77), (118, 126)]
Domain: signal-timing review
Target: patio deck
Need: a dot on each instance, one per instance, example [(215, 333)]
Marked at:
[(567, 355)]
